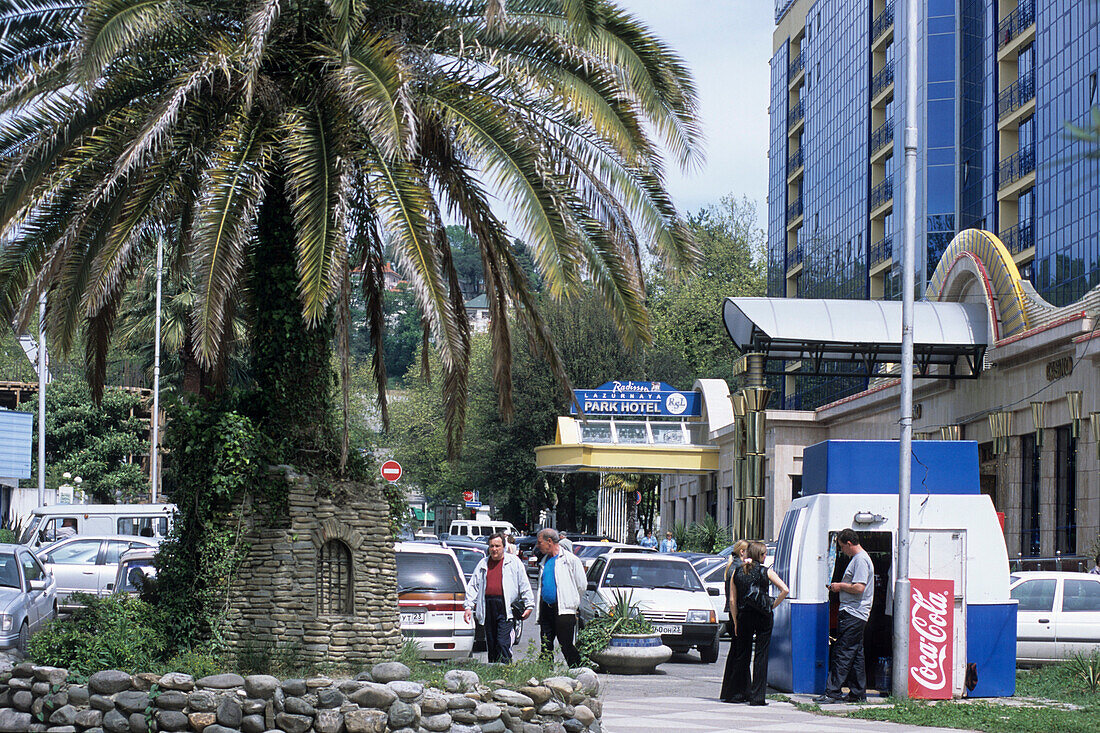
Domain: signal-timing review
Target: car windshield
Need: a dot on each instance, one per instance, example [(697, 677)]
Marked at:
[(468, 558), (592, 550), (29, 532), (134, 573), (424, 571), (630, 572), (9, 571)]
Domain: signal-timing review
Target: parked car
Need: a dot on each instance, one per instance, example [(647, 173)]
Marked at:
[(135, 567), (83, 564), (587, 552), (713, 573), (28, 596), (668, 592), (430, 594), (469, 554), (1058, 615)]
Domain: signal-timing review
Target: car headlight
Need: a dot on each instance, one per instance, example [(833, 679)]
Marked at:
[(5, 621), (701, 617)]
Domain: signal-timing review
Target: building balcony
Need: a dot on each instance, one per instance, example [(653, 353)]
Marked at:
[(795, 115), (882, 193), (882, 251), (882, 136), (1015, 23), (794, 209), (797, 65), (883, 79), (883, 23), (1016, 166), (1019, 238), (794, 162), (1016, 96)]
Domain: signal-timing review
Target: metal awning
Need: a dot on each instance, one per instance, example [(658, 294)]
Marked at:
[(863, 334)]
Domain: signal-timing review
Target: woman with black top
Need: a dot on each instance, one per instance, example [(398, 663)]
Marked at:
[(732, 686), (751, 615)]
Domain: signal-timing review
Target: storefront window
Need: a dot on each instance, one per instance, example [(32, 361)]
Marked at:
[(1065, 496), (1029, 485)]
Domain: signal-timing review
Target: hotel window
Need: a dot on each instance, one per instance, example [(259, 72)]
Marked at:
[(1029, 496), (1065, 492)]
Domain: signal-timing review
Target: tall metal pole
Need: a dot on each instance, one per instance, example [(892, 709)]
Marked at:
[(909, 248), (42, 398), (154, 456)]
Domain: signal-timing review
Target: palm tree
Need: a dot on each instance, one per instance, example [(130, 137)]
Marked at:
[(295, 138)]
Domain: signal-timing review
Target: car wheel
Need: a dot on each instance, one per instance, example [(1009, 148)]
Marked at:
[(24, 638), (709, 654)]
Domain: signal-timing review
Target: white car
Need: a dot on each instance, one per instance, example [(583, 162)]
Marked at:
[(83, 564), (713, 575), (667, 590), (587, 552), (431, 591), (1058, 615)]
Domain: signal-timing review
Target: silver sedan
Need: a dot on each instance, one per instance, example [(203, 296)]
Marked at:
[(85, 564), (28, 596)]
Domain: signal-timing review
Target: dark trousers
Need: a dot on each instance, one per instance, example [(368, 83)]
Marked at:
[(754, 635), (498, 630), (733, 682), (846, 665), (563, 627)]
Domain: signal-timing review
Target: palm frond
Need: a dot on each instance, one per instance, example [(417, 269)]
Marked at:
[(258, 28), (112, 27)]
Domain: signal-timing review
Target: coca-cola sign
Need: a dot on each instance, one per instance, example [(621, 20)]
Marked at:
[(931, 636)]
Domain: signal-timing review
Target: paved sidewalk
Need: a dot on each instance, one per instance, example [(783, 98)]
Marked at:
[(674, 703)]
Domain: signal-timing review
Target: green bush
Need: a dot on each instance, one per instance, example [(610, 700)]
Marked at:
[(117, 632), (621, 617), (197, 663), (8, 536)]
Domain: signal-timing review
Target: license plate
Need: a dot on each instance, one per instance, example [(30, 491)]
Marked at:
[(413, 617), (672, 629)]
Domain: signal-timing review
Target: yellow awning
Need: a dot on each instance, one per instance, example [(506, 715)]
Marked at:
[(588, 457)]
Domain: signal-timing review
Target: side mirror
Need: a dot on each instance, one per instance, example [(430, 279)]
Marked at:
[(592, 585), (38, 585), (712, 591)]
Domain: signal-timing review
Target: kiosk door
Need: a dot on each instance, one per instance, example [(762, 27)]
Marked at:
[(941, 554)]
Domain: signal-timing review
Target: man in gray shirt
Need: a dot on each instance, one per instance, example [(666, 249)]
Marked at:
[(857, 592)]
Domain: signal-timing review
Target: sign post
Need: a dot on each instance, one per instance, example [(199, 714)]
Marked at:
[(391, 471)]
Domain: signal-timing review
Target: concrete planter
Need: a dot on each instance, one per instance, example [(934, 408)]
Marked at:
[(632, 654)]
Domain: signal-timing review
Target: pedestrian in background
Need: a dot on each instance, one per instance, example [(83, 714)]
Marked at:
[(565, 541), (497, 581), (857, 593), (511, 547), (561, 583), (751, 616), (649, 540), (668, 544), (732, 684), (1096, 566)]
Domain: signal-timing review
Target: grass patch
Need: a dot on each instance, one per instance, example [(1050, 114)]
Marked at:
[(515, 674), (1053, 687)]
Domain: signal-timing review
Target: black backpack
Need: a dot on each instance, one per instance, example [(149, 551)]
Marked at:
[(756, 597)]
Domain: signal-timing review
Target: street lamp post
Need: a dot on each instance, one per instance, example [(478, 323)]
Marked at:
[(42, 398), (905, 465), (154, 455)]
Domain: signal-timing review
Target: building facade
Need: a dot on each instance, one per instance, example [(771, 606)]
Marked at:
[(998, 81)]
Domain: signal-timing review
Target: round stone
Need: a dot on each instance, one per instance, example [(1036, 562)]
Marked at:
[(171, 720), (584, 715), (330, 697), (407, 691), (109, 681), (403, 715), (293, 723), (374, 695), (298, 706), (513, 698), (132, 701), (221, 681), (177, 681), (262, 686), (389, 672), (171, 700)]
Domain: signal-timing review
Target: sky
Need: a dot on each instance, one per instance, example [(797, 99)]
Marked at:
[(727, 46)]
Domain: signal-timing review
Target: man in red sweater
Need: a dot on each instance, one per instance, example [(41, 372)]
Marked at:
[(496, 583)]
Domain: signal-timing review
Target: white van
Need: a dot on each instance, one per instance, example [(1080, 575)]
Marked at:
[(49, 523), (480, 528)]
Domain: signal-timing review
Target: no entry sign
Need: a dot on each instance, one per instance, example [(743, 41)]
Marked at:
[(391, 471)]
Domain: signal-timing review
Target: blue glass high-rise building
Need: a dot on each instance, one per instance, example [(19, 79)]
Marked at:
[(998, 81)]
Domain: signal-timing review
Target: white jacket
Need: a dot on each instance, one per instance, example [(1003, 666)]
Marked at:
[(513, 577), (569, 578)]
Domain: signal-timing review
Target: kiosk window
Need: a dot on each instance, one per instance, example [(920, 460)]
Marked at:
[(1081, 595), (1035, 595), (143, 526), (785, 545)]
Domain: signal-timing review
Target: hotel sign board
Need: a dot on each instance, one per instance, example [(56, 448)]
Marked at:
[(637, 399)]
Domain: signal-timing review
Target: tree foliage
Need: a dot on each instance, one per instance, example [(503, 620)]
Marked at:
[(102, 443)]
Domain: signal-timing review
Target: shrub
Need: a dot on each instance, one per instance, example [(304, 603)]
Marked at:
[(1086, 671), (621, 617), (117, 632)]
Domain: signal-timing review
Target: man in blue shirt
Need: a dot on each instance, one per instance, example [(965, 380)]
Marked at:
[(561, 584), (649, 540), (668, 544)]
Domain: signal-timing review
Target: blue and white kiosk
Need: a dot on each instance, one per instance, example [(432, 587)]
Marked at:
[(956, 535)]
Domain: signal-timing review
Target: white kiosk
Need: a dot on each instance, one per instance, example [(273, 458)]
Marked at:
[(956, 536)]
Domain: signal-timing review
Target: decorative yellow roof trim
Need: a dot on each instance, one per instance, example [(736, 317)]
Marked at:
[(626, 458)]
